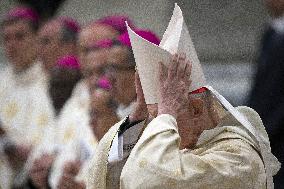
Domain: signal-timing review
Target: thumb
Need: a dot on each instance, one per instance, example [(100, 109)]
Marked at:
[(139, 90)]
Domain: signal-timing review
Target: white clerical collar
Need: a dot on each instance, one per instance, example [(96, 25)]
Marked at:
[(278, 24)]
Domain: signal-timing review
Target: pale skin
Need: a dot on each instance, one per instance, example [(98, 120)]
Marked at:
[(122, 91), (140, 110), (191, 115), (124, 88), (50, 44), (19, 41), (87, 37)]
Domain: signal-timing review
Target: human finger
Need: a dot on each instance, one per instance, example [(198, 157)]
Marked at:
[(172, 70), (188, 69), (182, 64), (162, 72), (139, 90), (182, 56)]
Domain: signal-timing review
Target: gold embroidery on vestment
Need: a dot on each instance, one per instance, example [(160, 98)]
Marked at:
[(42, 120), (11, 110), (143, 163)]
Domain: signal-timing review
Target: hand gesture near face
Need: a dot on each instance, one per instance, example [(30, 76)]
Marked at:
[(174, 85), (140, 110)]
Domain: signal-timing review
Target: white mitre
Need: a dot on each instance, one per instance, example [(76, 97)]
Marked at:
[(176, 39)]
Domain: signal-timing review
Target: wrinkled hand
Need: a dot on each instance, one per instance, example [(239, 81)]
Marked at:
[(67, 181), (174, 85), (140, 110), (40, 170)]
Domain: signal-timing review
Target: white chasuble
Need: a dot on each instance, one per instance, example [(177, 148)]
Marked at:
[(224, 157)]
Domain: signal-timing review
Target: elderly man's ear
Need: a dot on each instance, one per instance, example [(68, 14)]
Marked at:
[(197, 106)]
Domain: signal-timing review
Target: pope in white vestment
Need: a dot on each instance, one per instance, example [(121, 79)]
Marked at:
[(226, 159), (193, 142)]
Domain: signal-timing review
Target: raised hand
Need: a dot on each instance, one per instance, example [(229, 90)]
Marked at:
[(174, 85), (140, 110)]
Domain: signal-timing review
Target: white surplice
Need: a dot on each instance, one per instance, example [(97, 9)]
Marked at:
[(74, 137), (25, 108)]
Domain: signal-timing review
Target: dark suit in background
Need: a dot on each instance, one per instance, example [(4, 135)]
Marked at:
[(267, 95)]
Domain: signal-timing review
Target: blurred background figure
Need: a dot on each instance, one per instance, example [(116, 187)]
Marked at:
[(76, 127), (224, 34), (64, 77), (267, 95), (25, 110), (19, 29), (58, 52), (57, 38), (108, 27)]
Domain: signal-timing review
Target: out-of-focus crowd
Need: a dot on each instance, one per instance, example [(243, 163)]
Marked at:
[(65, 85)]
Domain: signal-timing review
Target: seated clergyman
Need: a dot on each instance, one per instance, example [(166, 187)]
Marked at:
[(189, 142)]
